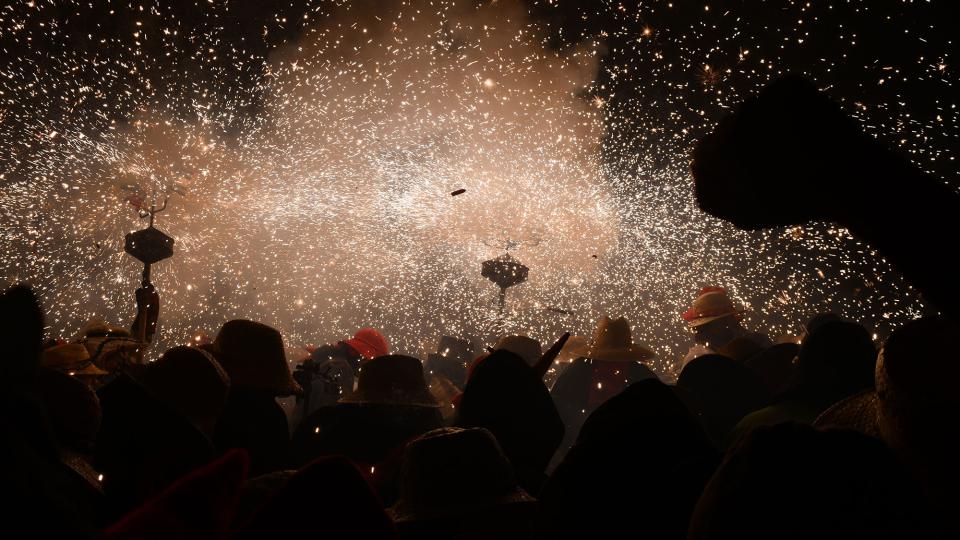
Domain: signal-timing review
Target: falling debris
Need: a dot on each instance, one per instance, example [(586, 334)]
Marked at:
[(458, 192)]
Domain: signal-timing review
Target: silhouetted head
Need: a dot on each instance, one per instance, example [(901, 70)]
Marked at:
[(72, 409), (639, 464), (723, 391), (819, 320), (253, 356), (718, 333), (791, 481), (191, 382), (21, 332), (838, 357), (775, 366), (506, 396), (917, 388)]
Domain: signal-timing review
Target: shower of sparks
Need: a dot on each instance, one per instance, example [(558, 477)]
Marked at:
[(310, 150)]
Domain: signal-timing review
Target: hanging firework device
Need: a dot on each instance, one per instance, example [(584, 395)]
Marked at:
[(506, 272), (148, 246)]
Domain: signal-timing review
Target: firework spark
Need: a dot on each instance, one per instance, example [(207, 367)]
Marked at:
[(310, 158)]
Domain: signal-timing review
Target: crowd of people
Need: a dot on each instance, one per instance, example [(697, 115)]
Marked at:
[(823, 436)]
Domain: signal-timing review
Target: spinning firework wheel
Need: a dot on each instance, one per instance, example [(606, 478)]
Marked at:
[(506, 272)]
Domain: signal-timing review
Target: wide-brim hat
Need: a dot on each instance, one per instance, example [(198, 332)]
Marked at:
[(254, 357), (102, 329), (394, 379), (711, 304), (100, 346), (613, 342), (525, 347), (859, 412), (454, 472), (71, 358), (575, 347)]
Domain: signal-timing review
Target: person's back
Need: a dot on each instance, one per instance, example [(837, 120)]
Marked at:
[(38, 500), (917, 408), (636, 469), (774, 365), (143, 446), (791, 481), (74, 414), (835, 361), (506, 396), (585, 385), (254, 421), (721, 391), (191, 382), (253, 356)]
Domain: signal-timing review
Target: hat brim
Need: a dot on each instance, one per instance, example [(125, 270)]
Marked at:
[(859, 412), (424, 401), (290, 387), (361, 348), (88, 371), (636, 353), (700, 321), (518, 497)]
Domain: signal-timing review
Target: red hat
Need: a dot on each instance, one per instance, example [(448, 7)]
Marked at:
[(369, 343), (200, 505)]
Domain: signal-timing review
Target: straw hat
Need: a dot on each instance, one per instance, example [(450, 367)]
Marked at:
[(110, 347), (613, 342), (392, 380), (70, 358), (858, 412), (712, 304), (572, 349)]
